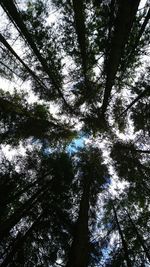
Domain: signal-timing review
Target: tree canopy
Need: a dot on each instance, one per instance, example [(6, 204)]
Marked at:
[(74, 135)]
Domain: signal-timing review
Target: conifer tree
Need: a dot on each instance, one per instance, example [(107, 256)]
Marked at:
[(83, 77)]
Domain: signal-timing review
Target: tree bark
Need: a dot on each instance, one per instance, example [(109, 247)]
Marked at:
[(79, 251), (124, 244)]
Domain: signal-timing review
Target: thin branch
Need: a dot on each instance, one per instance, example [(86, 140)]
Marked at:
[(141, 95)]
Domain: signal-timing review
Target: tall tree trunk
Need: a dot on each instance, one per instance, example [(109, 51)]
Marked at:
[(10, 49), (11, 10), (123, 24), (140, 238), (124, 244), (137, 39), (79, 251), (21, 212), (79, 17), (146, 20), (110, 28)]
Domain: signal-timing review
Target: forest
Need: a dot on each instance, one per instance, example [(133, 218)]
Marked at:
[(74, 133)]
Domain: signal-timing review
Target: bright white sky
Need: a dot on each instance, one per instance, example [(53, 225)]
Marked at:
[(9, 85)]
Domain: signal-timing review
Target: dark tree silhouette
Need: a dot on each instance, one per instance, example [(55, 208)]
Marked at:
[(74, 129)]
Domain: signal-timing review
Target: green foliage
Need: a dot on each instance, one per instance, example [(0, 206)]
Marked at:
[(85, 70)]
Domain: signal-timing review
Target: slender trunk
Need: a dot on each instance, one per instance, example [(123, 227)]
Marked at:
[(19, 242), (21, 212), (110, 26), (123, 24), (11, 10), (79, 251), (137, 39), (141, 95), (6, 44), (140, 238), (124, 244), (140, 33), (79, 18)]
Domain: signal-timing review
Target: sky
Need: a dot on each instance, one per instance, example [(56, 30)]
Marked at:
[(79, 142), (9, 85)]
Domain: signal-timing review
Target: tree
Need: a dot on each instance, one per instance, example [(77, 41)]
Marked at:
[(93, 174), (82, 77)]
